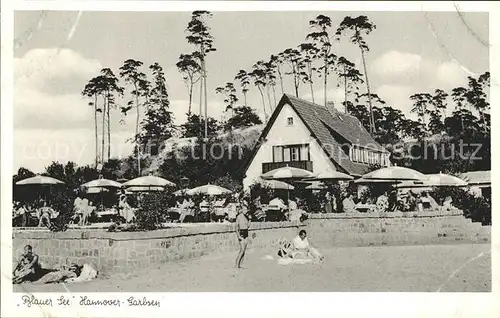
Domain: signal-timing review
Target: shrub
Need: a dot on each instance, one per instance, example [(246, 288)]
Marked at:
[(478, 209), (265, 193), (153, 207)]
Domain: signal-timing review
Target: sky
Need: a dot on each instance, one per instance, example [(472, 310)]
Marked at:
[(57, 52)]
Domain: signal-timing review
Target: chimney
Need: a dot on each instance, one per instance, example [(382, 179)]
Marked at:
[(330, 106)]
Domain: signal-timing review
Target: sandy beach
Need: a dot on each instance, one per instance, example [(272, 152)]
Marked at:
[(430, 268)]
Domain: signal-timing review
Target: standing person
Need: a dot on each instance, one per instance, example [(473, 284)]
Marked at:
[(126, 211), (328, 202), (242, 226)]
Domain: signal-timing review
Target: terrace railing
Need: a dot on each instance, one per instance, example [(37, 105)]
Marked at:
[(306, 165)]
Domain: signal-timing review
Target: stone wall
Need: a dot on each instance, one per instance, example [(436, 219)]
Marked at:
[(125, 251), (395, 228)]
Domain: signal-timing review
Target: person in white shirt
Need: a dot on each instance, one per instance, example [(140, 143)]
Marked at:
[(303, 249), (77, 204), (348, 204), (44, 214)]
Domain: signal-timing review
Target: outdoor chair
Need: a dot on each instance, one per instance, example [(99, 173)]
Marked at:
[(275, 215)]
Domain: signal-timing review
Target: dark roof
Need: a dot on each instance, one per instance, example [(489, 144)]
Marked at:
[(323, 125), (347, 126)]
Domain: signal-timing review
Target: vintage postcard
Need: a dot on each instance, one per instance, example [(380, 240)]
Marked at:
[(167, 158)]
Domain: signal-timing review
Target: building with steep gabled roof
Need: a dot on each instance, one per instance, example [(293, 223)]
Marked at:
[(308, 136)]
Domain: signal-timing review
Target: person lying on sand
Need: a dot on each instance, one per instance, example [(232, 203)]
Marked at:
[(60, 275), (27, 267), (303, 249), (285, 249), (69, 274)]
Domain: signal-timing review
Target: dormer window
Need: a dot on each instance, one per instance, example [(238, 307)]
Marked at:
[(289, 121)]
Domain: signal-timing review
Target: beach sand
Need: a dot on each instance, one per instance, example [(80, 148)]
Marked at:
[(427, 268)]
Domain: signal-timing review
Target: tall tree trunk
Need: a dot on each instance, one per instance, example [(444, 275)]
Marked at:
[(269, 99), (311, 82), (372, 119), (138, 147), (296, 82), (312, 91), (109, 129), (281, 80), (206, 101), (263, 103), (96, 133), (245, 97), (200, 114), (103, 128), (483, 120), (345, 90), (325, 80), (274, 97), (190, 97), (462, 123)]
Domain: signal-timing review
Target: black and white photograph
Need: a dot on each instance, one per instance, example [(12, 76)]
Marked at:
[(210, 150)]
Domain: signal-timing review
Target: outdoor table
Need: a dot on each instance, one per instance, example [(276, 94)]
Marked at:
[(106, 212), (365, 207)]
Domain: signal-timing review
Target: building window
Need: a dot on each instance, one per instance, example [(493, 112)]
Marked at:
[(289, 121), (286, 154), (304, 153), (368, 157), (277, 154), (291, 153)]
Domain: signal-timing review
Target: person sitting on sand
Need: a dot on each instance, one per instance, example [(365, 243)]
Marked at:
[(28, 266), (303, 249)]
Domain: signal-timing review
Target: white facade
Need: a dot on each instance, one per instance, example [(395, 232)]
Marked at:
[(288, 129)]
